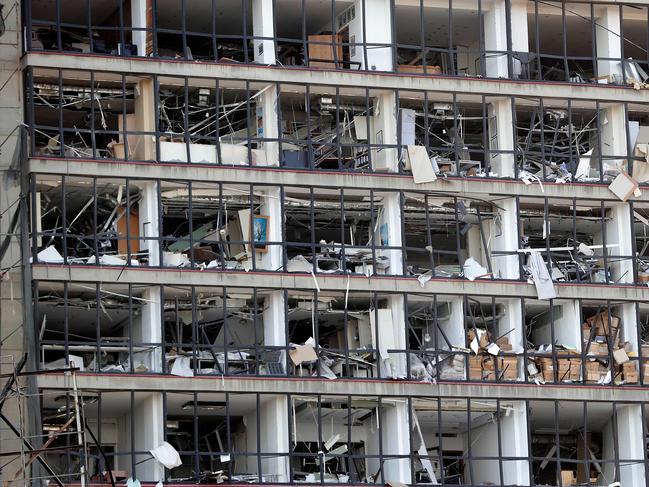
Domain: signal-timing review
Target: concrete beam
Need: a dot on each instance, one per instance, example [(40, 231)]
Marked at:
[(305, 385), (380, 81), (279, 280), (476, 187)]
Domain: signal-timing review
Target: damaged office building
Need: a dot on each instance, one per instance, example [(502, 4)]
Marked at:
[(278, 242)]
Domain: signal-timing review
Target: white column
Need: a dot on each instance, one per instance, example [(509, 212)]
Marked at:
[(378, 31), (149, 222), (453, 327), (148, 433), (147, 328), (630, 444), (138, 21), (495, 28), (384, 131), (391, 217), (504, 235), (395, 438), (501, 138), (613, 137), (274, 326), (263, 26), (608, 41), (567, 325), (272, 207), (267, 112), (274, 418), (513, 320), (145, 121), (513, 435)]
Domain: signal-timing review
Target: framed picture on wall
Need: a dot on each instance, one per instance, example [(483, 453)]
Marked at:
[(260, 232)]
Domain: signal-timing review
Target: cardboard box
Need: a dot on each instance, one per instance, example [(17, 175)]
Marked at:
[(567, 478), (630, 373), (603, 323), (409, 68)]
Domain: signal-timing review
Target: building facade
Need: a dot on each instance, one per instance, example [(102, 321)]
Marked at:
[(325, 241)]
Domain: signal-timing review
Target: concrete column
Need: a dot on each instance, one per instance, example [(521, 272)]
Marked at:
[(567, 325), (453, 327), (378, 33), (147, 328), (148, 433), (273, 316), (513, 434), (629, 443), (608, 41), (145, 121), (395, 438), (274, 416), (274, 439), (619, 231), (272, 207), (495, 28), (513, 320), (504, 235), (267, 112), (501, 138), (139, 21), (263, 27), (384, 131), (149, 222), (613, 137), (391, 216)]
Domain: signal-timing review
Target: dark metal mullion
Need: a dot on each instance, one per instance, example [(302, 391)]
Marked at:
[(616, 444), (122, 39), (187, 134), (314, 258), (215, 52), (156, 108), (500, 440), (537, 38), (217, 128), (593, 39), (130, 329), (469, 449), (542, 137), (508, 29), (226, 329), (565, 41), (251, 242), (190, 221), (380, 431), (158, 237), (368, 143), (59, 41), (197, 458), (260, 471), (249, 124), (343, 260), (60, 113), (183, 26), (64, 222), (244, 30), (255, 322), (309, 139), (132, 435), (605, 256)]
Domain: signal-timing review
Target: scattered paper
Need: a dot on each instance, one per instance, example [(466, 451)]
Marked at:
[(167, 455), (50, 255), (472, 269), (182, 367)]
